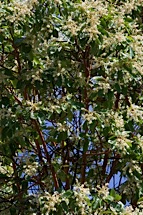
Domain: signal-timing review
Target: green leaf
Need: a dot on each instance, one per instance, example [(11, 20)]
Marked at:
[(25, 48), (85, 145), (64, 206), (95, 47), (132, 54), (112, 192), (110, 198), (18, 40), (108, 212), (24, 185), (5, 101), (117, 87), (140, 200), (68, 194), (62, 136), (55, 33), (96, 203), (13, 210), (117, 197)]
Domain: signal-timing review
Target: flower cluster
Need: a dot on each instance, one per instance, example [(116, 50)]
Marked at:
[(103, 191), (50, 201), (20, 9), (72, 66), (6, 170), (30, 167), (62, 127), (90, 116), (37, 76), (6, 113), (135, 112), (34, 106), (81, 193)]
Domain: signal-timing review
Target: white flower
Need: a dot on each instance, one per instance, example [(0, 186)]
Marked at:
[(8, 170), (30, 167), (103, 191), (119, 122), (50, 201), (62, 127), (135, 112), (90, 116), (81, 193)]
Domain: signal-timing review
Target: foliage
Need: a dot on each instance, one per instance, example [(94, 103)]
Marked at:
[(71, 75)]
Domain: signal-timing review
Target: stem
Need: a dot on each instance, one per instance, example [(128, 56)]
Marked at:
[(113, 168), (16, 52), (117, 101), (86, 63), (47, 154)]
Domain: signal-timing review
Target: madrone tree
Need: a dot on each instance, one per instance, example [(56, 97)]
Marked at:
[(71, 82)]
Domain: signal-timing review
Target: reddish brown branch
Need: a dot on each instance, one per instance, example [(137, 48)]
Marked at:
[(16, 177), (83, 169), (113, 168), (43, 143), (117, 101), (127, 101), (105, 162), (41, 158), (87, 67), (16, 52), (47, 154), (65, 161), (11, 91)]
